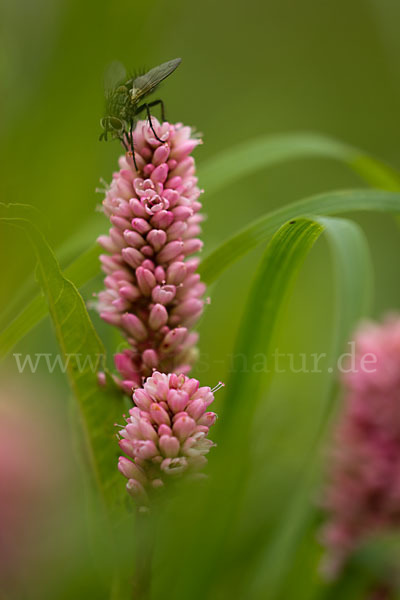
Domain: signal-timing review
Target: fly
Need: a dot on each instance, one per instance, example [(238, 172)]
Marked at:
[(124, 103)]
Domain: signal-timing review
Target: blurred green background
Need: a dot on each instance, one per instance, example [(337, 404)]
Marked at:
[(248, 69)]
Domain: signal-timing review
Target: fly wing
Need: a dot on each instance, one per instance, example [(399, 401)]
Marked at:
[(115, 74), (145, 84)]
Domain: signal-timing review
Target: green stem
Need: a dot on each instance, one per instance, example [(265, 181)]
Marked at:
[(144, 556)]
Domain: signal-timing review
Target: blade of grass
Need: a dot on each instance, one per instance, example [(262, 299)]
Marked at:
[(353, 285), (267, 151), (260, 230)]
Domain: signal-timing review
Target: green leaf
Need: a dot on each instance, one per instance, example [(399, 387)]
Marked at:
[(267, 151), (260, 230), (83, 353), (282, 260), (353, 283), (80, 272)]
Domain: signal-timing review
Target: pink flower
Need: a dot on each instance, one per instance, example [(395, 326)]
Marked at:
[(166, 432), (154, 294), (363, 494)]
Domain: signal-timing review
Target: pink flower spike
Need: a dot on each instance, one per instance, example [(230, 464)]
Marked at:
[(154, 217), (157, 451), (362, 493)]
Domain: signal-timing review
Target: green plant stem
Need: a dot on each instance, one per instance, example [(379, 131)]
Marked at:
[(145, 534)]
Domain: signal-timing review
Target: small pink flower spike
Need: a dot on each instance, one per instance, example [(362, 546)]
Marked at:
[(153, 293), (362, 496), (165, 435)]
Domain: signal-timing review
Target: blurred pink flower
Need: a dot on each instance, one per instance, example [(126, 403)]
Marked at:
[(166, 432), (153, 292), (35, 476), (363, 494)]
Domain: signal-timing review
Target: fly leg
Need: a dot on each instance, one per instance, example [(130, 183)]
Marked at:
[(128, 149), (162, 107), (131, 144), (146, 107)]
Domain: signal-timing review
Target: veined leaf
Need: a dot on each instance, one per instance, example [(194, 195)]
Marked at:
[(80, 272), (83, 353)]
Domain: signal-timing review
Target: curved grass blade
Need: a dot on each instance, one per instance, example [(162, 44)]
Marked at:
[(83, 354), (283, 258), (260, 230), (275, 276), (353, 286), (86, 267), (268, 151)]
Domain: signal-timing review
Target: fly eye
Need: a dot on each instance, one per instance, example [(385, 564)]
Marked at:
[(112, 123), (115, 124)]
